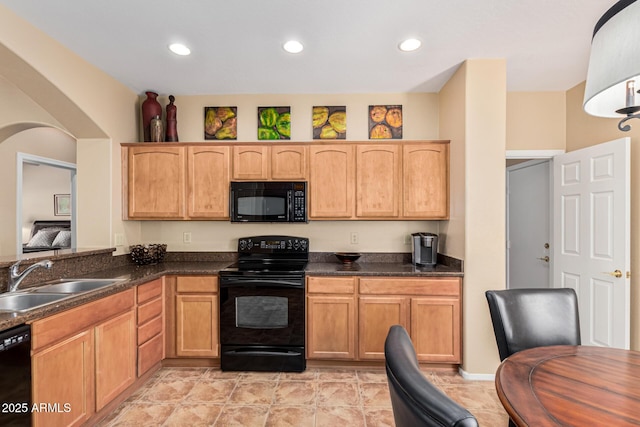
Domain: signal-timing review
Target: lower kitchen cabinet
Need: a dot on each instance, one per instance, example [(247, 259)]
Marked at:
[(82, 358), (429, 308), (63, 374), (375, 316), (331, 318), (115, 356), (351, 323), (150, 321), (196, 316)]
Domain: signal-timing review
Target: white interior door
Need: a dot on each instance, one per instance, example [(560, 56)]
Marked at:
[(591, 238), (528, 225)]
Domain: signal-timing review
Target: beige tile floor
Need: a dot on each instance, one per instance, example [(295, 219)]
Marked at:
[(315, 398)]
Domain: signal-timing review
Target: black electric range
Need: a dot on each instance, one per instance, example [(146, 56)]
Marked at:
[(262, 305)]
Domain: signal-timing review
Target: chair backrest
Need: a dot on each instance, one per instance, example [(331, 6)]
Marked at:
[(415, 401), (527, 318)]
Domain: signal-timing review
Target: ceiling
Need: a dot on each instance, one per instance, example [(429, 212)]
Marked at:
[(351, 46)]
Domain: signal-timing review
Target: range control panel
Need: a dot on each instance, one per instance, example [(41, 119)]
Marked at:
[(273, 244)]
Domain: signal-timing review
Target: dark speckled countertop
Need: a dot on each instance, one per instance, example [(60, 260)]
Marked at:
[(379, 269), (107, 267)]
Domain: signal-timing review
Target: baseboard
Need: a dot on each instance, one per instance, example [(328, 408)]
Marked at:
[(476, 377)]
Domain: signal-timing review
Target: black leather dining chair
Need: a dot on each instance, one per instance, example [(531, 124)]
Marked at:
[(528, 318), (415, 401)]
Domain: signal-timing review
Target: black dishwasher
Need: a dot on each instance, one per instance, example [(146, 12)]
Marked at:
[(15, 376)]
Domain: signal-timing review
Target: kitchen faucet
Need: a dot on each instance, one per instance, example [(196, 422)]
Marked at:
[(15, 278)]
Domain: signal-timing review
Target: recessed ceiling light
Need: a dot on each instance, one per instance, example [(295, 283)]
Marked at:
[(179, 49), (293, 46), (410, 45)]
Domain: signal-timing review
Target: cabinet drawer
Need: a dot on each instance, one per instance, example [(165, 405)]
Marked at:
[(331, 285), (206, 284), (149, 310), (437, 286), (149, 291), (61, 325), (149, 329), (150, 354)]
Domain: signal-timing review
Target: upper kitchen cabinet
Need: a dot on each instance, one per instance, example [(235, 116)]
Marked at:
[(264, 162), (251, 162), (177, 182), (156, 182), (331, 181), (425, 172), (378, 169), (391, 180), (208, 182)]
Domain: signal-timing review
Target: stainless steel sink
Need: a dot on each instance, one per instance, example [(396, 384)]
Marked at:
[(27, 301), (74, 286)]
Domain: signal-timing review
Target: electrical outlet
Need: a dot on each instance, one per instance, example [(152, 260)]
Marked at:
[(354, 238), (407, 239), (118, 239), (186, 237)]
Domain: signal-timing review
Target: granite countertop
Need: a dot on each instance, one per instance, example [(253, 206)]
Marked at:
[(134, 275), (379, 269)]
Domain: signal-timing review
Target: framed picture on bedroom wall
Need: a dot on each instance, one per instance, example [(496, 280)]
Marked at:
[(62, 204)]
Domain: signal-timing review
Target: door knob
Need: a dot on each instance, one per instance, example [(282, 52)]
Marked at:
[(545, 258), (617, 274)]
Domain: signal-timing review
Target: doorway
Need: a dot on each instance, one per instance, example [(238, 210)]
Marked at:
[(26, 162), (529, 224)]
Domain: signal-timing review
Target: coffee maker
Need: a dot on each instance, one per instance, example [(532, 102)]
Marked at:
[(424, 249)]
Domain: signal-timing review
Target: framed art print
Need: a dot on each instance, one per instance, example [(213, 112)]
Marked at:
[(385, 121)]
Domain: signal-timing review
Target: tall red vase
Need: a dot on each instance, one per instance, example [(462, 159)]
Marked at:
[(150, 108)]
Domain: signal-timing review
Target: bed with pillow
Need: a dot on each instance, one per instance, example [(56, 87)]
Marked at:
[(48, 235)]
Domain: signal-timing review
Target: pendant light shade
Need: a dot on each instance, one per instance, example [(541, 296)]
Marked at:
[(614, 66)]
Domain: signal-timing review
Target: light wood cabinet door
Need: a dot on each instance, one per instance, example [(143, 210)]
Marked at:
[(378, 169), (331, 327), (115, 357), (197, 332), (435, 329), (251, 162), (375, 316), (425, 181), (331, 181), (156, 182), (289, 162), (150, 354), (208, 182), (64, 374)]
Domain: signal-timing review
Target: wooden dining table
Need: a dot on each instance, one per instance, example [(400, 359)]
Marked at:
[(571, 386)]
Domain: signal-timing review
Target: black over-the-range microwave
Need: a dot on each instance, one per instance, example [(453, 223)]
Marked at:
[(268, 201)]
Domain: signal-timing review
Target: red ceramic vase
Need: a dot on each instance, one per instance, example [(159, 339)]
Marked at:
[(150, 108)]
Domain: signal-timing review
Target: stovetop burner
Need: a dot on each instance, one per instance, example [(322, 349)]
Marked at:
[(269, 255), (257, 267)]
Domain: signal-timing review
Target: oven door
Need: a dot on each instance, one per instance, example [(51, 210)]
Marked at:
[(262, 311)]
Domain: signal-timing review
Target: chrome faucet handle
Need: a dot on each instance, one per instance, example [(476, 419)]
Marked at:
[(15, 267), (15, 278)]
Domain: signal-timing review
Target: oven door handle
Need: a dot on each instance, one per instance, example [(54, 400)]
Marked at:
[(229, 282)]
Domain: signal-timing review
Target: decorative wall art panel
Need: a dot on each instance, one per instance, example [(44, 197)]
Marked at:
[(385, 121), (274, 123), (330, 122), (220, 123)]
